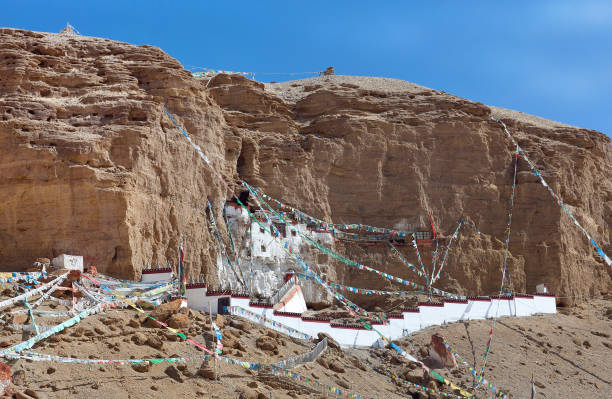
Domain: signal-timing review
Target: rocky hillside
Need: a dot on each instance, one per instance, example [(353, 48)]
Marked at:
[(90, 164)]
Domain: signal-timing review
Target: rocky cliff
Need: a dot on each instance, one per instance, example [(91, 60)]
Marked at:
[(90, 164)]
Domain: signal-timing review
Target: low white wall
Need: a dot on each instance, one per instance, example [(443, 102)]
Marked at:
[(350, 336), (196, 296), (151, 276), (455, 310), (313, 328), (545, 303), (211, 302), (290, 320), (524, 305), (241, 301), (412, 320), (501, 307), (478, 309), (431, 314), (398, 325)]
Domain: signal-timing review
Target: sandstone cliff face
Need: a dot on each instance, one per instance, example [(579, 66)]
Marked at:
[(386, 153), (91, 165)]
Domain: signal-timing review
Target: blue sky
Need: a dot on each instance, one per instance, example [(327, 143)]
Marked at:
[(548, 58)]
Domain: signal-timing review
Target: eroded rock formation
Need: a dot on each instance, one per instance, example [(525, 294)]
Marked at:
[(91, 165)]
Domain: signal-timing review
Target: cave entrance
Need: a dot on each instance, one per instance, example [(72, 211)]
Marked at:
[(241, 167), (245, 164)]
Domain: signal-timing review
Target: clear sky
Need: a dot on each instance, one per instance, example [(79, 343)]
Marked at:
[(548, 58)]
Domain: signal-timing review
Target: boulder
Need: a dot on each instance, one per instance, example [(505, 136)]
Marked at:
[(172, 372), (439, 353), (139, 338), (18, 377), (336, 366), (220, 321), (330, 341), (155, 342), (237, 324), (206, 371), (179, 321), (266, 343), (142, 367)]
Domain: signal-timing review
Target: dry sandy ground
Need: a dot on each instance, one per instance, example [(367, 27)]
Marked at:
[(569, 354)]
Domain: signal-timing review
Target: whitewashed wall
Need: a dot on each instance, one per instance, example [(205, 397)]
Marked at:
[(153, 275), (455, 310), (411, 320), (545, 303), (478, 309)]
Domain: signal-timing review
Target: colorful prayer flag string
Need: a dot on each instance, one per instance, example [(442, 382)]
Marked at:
[(535, 171), (501, 288)]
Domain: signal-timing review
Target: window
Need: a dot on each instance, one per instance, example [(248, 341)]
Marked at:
[(261, 230), (281, 228), (263, 248), (423, 235), (293, 233)]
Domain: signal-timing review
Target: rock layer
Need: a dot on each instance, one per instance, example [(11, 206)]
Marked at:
[(91, 165)]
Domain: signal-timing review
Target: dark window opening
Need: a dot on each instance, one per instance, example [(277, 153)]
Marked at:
[(293, 233), (263, 248), (223, 305), (281, 228)]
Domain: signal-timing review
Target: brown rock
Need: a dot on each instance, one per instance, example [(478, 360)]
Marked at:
[(170, 336), (357, 363), (179, 321), (247, 393), (173, 373), (162, 313), (139, 338), (220, 321), (266, 343), (439, 353), (32, 393), (206, 371), (155, 342), (21, 395), (142, 367), (416, 376), (238, 325), (18, 377), (343, 384), (330, 341), (323, 362), (336, 366)]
